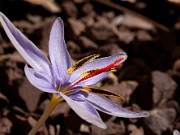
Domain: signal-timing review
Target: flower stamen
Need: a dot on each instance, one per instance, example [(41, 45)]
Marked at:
[(94, 72), (101, 92), (81, 62)]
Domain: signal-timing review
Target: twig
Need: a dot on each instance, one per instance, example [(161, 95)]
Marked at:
[(128, 11)]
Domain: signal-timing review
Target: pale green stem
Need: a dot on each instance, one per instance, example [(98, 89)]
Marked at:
[(53, 103)]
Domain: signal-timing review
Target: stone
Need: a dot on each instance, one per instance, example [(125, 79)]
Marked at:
[(101, 31), (5, 126), (61, 108), (70, 9), (159, 120), (30, 95), (125, 35), (125, 89), (84, 128), (112, 129), (87, 43), (164, 87), (143, 35), (76, 26), (110, 49), (133, 130)]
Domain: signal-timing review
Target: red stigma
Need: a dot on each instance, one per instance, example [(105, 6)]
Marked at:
[(98, 71)]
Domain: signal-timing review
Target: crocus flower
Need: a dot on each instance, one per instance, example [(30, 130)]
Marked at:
[(73, 83)]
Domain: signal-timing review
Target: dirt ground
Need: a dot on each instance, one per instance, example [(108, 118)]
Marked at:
[(148, 31)]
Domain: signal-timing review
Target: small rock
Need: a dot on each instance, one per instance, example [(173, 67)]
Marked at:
[(43, 105), (109, 15), (176, 66), (73, 48), (176, 69), (125, 89), (173, 104), (159, 120), (14, 72), (5, 126), (30, 95), (125, 35), (70, 9), (101, 31), (44, 36), (76, 26), (133, 130), (87, 43), (143, 35), (61, 108), (112, 129), (52, 130), (84, 128), (110, 49), (88, 20), (87, 9), (164, 87)]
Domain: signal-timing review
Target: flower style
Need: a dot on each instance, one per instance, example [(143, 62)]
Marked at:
[(73, 83)]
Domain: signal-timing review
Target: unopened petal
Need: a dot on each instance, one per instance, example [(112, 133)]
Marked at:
[(26, 48), (39, 80), (107, 106), (85, 110), (58, 53)]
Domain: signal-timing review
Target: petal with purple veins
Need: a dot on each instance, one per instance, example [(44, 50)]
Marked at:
[(39, 80), (26, 48), (107, 106), (58, 53), (84, 110)]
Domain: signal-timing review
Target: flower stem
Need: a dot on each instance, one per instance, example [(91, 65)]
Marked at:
[(53, 103)]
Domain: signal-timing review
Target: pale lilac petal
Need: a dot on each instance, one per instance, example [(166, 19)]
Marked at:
[(39, 80), (107, 106), (26, 48), (58, 53), (98, 63), (84, 110)]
